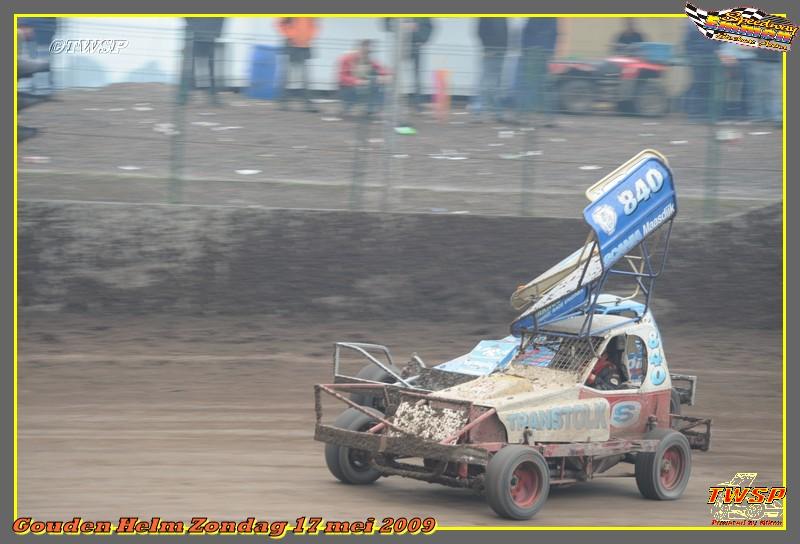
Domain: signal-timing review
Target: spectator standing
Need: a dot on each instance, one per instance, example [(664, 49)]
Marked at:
[(736, 90), (299, 33), (27, 67), (200, 44), (419, 30), (629, 36), (38, 33), (493, 34), (539, 37), (361, 80), (766, 86), (702, 100)]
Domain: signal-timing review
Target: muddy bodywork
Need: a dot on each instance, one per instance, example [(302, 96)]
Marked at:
[(548, 408)]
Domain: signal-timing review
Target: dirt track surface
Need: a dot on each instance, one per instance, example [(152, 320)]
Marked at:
[(180, 416)]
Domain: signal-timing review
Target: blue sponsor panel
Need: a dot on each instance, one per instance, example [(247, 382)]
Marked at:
[(485, 358), (559, 310), (633, 208), (536, 355)]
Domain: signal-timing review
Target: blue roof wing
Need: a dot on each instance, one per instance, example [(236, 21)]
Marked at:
[(627, 206), (630, 204)]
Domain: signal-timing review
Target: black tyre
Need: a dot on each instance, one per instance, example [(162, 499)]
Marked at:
[(576, 95), (675, 402), (352, 466), (651, 98), (663, 474), (376, 374), (517, 482)]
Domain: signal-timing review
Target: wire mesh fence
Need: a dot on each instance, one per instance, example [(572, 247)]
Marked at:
[(190, 115)]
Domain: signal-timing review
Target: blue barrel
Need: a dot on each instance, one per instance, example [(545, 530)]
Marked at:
[(265, 72)]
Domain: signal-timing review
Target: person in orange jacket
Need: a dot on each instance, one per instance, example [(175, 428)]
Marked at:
[(299, 33)]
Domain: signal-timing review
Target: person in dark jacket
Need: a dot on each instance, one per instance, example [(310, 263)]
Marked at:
[(37, 34), (629, 36), (538, 46), (764, 72), (493, 34), (702, 56), (28, 67), (419, 30), (200, 40)]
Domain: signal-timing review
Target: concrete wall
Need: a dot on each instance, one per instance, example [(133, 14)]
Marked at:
[(133, 258)]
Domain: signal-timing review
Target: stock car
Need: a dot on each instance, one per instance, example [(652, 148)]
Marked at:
[(536, 409)]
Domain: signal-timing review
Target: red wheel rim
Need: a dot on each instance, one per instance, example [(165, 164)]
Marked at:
[(671, 467), (525, 484)]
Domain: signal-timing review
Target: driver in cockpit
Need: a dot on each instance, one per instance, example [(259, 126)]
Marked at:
[(608, 372)]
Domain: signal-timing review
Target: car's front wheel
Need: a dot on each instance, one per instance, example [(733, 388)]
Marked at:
[(517, 482), (350, 465)]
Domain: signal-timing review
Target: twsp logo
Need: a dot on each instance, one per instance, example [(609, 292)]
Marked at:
[(88, 47), (740, 501)]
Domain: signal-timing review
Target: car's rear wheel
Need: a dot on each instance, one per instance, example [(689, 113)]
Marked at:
[(517, 482), (664, 473), (376, 374), (350, 465)]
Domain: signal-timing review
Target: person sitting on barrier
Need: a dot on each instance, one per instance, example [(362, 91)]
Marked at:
[(607, 373), (361, 79)]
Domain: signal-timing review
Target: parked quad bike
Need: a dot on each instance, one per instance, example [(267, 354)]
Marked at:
[(629, 83)]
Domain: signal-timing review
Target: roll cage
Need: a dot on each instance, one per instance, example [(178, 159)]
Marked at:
[(630, 217)]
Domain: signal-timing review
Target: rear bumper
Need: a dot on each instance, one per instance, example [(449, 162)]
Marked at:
[(696, 429)]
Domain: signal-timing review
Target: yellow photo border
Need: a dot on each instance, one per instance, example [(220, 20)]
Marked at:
[(437, 15)]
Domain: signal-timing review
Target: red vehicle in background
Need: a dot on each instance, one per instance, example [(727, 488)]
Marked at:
[(631, 81)]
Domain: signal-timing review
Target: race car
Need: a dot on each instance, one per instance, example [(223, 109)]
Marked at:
[(576, 389)]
